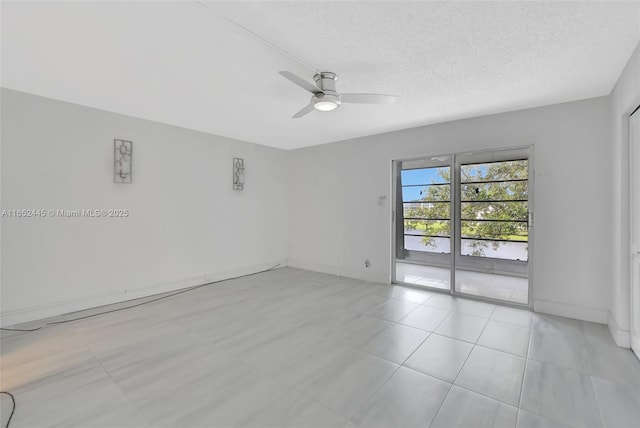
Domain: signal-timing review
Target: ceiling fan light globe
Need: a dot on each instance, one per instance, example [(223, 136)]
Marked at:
[(325, 105)]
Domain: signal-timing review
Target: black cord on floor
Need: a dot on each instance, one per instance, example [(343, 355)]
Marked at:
[(140, 304), (13, 409), (20, 329)]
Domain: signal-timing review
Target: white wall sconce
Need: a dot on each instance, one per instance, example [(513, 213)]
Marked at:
[(238, 174), (122, 158)]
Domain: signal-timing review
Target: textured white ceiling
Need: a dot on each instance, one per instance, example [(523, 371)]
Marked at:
[(184, 64)]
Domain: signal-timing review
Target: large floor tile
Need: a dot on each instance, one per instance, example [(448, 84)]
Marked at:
[(531, 420), (395, 343), (493, 373), (557, 325), (463, 327), (616, 364), (597, 333), (463, 408), (81, 396), (619, 403), (415, 296), (392, 310), (407, 399), (294, 410), (506, 337), (346, 384), (440, 356), (159, 363), (6, 405), (183, 390), (31, 357), (202, 405), (521, 317), (425, 318), (281, 352), (441, 301), (563, 350), (366, 303), (560, 394), (320, 357), (224, 326), (471, 307), (323, 323), (359, 331), (391, 291)]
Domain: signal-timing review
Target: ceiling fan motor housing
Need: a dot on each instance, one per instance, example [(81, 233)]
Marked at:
[(326, 83)]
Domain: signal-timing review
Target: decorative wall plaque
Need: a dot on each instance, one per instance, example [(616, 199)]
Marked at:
[(238, 174), (122, 156)]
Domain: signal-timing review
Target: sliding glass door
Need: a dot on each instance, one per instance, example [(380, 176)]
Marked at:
[(464, 219), (423, 206), (492, 225)]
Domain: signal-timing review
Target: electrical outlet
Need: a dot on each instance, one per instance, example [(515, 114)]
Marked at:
[(367, 263)]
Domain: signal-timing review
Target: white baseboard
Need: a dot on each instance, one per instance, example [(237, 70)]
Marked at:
[(365, 274), (22, 315), (571, 311), (620, 336)]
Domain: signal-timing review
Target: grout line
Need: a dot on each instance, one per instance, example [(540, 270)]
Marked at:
[(595, 396), (458, 374), (501, 351), (524, 372), (404, 361), (549, 363), (488, 396), (414, 351), (524, 376), (308, 396), (349, 419), (435, 415), (394, 372)]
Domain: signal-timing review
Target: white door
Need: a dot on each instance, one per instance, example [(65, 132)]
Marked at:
[(634, 142)]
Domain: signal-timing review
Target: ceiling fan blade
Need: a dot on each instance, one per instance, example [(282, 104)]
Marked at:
[(305, 110), (300, 82), (368, 98)]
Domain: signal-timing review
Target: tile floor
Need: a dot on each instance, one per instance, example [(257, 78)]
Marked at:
[(503, 287), (293, 348)]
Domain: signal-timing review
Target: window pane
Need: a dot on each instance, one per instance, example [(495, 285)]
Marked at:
[(421, 227), (505, 190), (494, 211), (428, 210), (496, 250), (432, 245), (500, 230), (495, 171), (426, 193), (412, 177)]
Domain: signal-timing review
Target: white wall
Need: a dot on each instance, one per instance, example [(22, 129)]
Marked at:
[(336, 220), (625, 97), (186, 225)]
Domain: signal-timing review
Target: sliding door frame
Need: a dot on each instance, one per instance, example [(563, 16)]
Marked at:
[(456, 159)]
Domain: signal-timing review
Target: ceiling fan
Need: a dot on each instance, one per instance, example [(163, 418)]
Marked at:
[(325, 97)]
